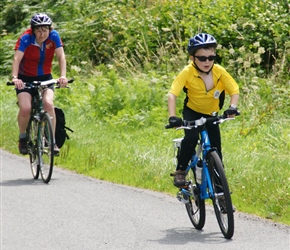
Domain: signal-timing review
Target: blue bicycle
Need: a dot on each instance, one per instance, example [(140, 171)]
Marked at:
[(207, 180)]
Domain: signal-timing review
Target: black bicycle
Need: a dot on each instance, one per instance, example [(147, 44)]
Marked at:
[(39, 132)]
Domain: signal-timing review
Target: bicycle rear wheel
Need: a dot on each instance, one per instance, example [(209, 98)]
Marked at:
[(222, 199), (196, 206), (46, 146), (33, 148)]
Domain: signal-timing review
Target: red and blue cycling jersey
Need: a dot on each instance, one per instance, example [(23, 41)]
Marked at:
[(37, 61)]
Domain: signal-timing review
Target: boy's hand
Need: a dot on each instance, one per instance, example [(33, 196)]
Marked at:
[(175, 121), (231, 112)]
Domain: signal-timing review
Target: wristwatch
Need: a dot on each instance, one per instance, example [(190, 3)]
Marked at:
[(14, 77), (233, 106)]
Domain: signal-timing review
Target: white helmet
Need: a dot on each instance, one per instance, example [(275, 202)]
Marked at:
[(40, 19), (200, 41)]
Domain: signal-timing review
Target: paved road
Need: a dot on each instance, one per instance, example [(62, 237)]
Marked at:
[(78, 213)]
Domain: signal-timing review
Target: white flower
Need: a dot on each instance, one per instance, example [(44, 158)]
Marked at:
[(247, 64), (231, 61), (261, 50), (258, 60), (256, 44), (234, 26), (76, 68), (91, 87), (242, 49), (166, 29), (240, 60), (231, 51)]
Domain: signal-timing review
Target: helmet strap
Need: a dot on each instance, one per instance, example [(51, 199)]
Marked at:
[(194, 65)]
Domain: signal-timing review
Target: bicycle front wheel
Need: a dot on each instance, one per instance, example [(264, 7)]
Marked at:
[(222, 199), (196, 206), (46, 146), (33, 147)]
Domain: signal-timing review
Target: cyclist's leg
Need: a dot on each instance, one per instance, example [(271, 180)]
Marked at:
[(24, 97), (215, 137), (48, 106), (187, 148), (47, 100), (24, 103), (195, 206), (190, 139)]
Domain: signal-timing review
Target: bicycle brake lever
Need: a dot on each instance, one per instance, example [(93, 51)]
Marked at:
[(223, 120), (58, 87), (184, 127)]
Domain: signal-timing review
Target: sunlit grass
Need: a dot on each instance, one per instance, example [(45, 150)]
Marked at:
[(257, 160)]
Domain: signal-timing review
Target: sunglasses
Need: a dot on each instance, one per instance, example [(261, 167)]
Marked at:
[(204, 58)]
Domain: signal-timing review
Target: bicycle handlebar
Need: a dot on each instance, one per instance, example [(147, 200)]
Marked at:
[(40, 83), (202, 121)]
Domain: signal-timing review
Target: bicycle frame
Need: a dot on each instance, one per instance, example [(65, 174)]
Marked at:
[(37, 105), (203, 147)]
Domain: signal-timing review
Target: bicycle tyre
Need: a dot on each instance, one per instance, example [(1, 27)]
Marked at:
[(33, 147), (46, 146), (222, 200), (196, 206)]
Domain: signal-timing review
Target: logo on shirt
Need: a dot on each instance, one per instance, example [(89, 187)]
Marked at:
[(49, 46), (217, 94)]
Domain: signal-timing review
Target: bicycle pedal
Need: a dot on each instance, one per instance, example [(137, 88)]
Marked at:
[(185, 186), (181, 198)]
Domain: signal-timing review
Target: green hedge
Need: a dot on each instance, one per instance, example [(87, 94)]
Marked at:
[(154, 34)]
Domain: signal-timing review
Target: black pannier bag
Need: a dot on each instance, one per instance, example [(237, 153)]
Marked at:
[(60, 129)]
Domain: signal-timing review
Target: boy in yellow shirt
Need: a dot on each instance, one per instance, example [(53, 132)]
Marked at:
[(205, 84)]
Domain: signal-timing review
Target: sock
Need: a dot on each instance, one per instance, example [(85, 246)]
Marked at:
[(22, 136)]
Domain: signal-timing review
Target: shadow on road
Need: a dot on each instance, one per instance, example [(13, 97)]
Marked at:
[(182, 236), (21, 182)]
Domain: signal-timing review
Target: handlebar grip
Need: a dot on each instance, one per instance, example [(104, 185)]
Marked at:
[(69, 81), (168, 126)]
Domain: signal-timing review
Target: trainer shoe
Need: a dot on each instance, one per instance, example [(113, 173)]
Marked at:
[(22, 145), (56, 150), (179, 178)]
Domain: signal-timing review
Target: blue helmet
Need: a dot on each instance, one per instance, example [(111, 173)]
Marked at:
[(40, 19), (201, 40)]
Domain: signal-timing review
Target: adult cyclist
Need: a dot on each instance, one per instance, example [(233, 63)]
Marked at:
[(205, 84), (34, 53)]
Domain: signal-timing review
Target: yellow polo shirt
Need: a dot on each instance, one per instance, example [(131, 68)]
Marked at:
[(199, 99)]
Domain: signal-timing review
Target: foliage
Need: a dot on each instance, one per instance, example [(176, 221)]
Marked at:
[(123, 57), (153, 34)]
